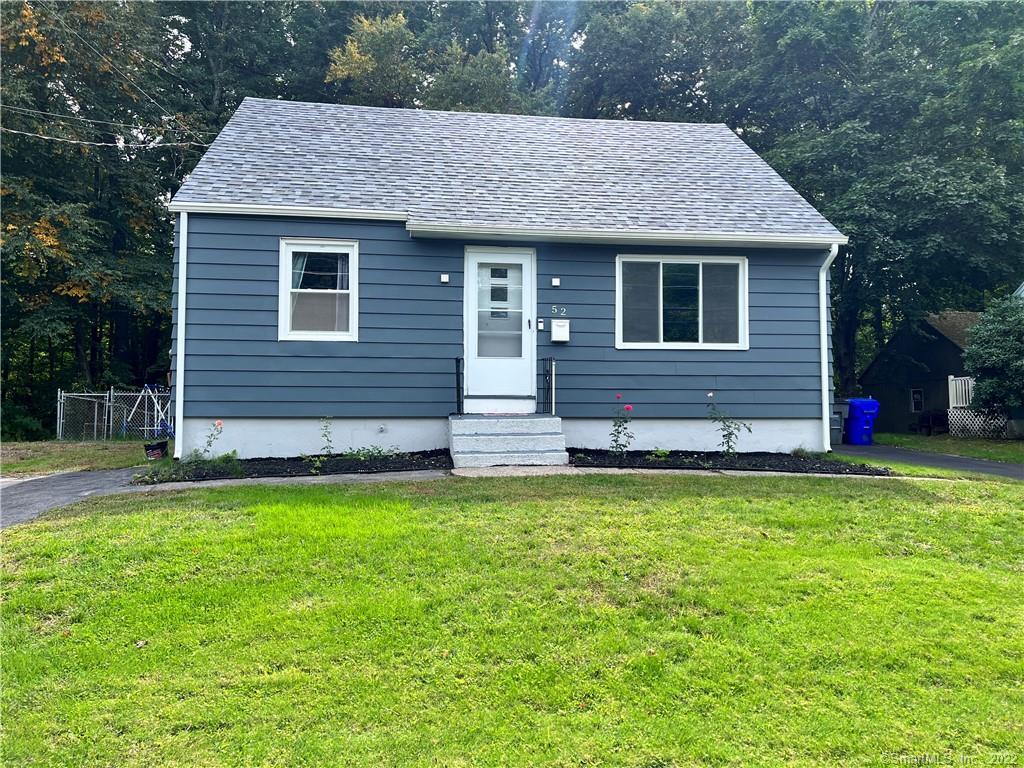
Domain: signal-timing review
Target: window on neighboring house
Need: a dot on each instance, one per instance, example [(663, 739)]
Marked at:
[(684, 302), (916, 400), (319, 290)]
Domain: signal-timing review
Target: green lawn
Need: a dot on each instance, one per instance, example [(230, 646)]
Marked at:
[(573, 621), (997, 450), (45, 457)]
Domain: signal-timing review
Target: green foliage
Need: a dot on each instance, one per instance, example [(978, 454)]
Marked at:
[(19, 424), (728, 427), (193, 466), (995, 357), (371, 452)]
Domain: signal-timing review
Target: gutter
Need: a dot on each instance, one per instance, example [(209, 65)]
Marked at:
[(179, 360), (826, 411), (730, 239)]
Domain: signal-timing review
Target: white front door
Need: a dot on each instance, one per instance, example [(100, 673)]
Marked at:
[(499, 327)]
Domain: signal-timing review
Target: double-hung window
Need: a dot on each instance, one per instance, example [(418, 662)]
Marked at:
[(319, 290), (681, 302)]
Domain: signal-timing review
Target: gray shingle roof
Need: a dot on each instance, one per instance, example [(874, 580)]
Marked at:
[(486, 171)]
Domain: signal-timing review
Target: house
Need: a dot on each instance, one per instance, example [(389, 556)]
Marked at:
[(386, 269), (910, 375)]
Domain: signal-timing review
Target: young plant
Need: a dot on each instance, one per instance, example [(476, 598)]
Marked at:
[(211, 437), (728, 427), (371, 452), (621, 437), (659, 454), (316, 463)]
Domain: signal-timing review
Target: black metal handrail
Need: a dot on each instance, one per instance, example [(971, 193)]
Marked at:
[(546, 402), (459, 404)]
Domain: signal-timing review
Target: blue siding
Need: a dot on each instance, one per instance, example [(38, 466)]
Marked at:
[(410, 330)]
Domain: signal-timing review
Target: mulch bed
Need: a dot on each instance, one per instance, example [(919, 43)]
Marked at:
[(300, 467), (771, 462)]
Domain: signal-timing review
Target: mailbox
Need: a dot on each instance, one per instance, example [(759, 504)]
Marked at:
[(559, 330)]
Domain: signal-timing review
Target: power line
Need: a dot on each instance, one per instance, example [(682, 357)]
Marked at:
[(125, 145), (26, 110), (113, 66)]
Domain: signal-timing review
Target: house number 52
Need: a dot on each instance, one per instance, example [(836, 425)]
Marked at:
[(558, 310)]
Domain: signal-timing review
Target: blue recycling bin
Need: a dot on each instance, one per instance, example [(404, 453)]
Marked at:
[(860, 425)]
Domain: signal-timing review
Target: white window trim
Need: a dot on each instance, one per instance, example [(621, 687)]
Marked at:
[(284, 289), (744, 302)]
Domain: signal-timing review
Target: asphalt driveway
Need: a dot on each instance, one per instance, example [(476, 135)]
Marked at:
[(23, 500), (937, 460)]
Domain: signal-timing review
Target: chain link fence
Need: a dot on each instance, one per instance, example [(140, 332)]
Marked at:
[(113, 415)]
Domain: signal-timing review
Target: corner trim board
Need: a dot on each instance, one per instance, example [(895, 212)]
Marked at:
[(179, 360), (826, 412)]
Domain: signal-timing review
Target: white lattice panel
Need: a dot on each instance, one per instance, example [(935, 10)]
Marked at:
[(967, 422)]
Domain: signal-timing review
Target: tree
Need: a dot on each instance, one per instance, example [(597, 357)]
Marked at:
[(483, 82), (379, 63), (995, 357)]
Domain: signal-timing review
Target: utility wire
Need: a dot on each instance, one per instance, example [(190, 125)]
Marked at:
[(117, 69), (28, 111), (126, 145)]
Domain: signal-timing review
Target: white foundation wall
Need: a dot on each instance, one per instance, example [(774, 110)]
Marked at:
[(773, 435), (261, 438)]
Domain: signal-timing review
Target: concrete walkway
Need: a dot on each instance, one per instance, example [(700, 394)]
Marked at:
[(936, 460)]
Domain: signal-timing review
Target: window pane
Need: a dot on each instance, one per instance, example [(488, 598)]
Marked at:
[(499, 310), (500, 288), (499, 334), (319, 311), (320, 271), (721, 303), (640, 301), (680, 284)]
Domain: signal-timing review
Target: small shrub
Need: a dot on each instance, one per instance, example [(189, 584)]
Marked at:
[(316, 463), (659, 454), (18, 424), (728, 427), (621, 437), (371, 452), (194, 466)]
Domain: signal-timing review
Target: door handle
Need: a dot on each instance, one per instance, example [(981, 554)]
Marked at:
[(529, 325)]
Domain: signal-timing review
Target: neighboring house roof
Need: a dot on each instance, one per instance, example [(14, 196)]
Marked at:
[(953, 325), (464, 172)]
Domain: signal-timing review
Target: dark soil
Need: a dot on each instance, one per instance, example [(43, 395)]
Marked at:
[(219, 469), (771, 462)]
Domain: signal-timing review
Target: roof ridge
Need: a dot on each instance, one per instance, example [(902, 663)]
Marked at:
[(418, 110)]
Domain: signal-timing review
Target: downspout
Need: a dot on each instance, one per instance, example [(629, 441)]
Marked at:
[(826, 413), (179, 360)]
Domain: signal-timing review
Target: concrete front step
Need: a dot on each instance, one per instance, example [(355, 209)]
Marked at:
[(551, 441), (500, 441), (504, 425), (531, 459)]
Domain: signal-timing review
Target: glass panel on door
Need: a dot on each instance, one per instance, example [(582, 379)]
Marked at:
[(500, 310)]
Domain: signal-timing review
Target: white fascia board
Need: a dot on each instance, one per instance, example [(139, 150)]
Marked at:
[(287, 210), (604, 236)]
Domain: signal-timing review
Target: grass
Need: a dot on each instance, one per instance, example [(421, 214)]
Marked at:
[(48, 456), (638, 621), (977, 448)]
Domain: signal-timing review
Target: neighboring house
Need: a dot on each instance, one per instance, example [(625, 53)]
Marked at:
[(910, 375), (340, 262)]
